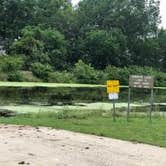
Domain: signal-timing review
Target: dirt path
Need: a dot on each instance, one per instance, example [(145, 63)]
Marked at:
[(22, 145)]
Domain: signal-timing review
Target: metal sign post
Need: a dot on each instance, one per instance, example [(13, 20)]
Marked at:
[(128, 110), (113, 91), (151, 105), (114, 97), (114, 111)]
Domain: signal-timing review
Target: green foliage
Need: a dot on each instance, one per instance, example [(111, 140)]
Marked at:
[(102, 33), (162, 54), (63, 76), (130, 36), (123, 74), (39, 45), (28, 76), (3, 76), (105, 47), (16, 14), (146, 52), (55, 13), (85, 73), (135, 18), (160, 79), (41, 71), (11, 63), (15, 76)]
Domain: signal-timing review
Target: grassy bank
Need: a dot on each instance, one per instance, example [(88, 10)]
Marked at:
[(46, 85), (139, 129), (56, 85)]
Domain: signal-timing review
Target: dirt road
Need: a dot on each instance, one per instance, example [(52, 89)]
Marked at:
[(23, 145)]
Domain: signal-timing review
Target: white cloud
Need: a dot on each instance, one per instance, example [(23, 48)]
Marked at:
[(162, 10)]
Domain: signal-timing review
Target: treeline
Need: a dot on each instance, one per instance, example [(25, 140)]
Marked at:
[(10, 68), (51, 36)]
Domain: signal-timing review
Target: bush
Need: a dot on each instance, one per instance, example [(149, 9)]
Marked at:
[(85, 73), (3, 77), (10, 64), (41, 71), (29, 77), (112, 73), (15, 76), (61, 77), (160, 79), (41, 45), (123, 74), (101, 77), (115, 73)]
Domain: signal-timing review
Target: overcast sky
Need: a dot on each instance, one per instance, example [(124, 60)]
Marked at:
[(162, 10)]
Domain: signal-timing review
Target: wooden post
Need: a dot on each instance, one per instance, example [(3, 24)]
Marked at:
[(129, 98)]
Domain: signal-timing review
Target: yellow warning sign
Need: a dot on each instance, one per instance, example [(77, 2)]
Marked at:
[(113, 86)]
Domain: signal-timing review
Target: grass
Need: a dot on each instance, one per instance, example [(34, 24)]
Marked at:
[(47, 85), (100, 123), (56, 85)]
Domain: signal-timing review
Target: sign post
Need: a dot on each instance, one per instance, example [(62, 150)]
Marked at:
[(151, 105), (114, 111), (144, 82), (128, 110), (113, 91)]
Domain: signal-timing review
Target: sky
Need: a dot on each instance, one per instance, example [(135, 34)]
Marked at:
[(75, 2), (162, 11)]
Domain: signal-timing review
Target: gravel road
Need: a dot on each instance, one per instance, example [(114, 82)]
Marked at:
[(24, 145)]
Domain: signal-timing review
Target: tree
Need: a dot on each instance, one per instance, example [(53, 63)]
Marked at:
[(145, 52), (100, 32), (162, 54), (137, 21), (55, 14), (14, 15), (105, 47), (46, 46), (134, 18)]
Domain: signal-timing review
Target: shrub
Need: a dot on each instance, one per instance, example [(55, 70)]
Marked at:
[(41, 71), (85, 73), (112, 72), (15, 76), (115, 73), (10, 64), (39, 44), (123, 74), (61, 77), (29, 77), (3, 77), (160, 79)]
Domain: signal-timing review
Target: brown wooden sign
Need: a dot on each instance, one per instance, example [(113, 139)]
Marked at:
[(145, 82)]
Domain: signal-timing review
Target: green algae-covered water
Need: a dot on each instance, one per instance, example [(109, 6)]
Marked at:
[(33, 99)]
